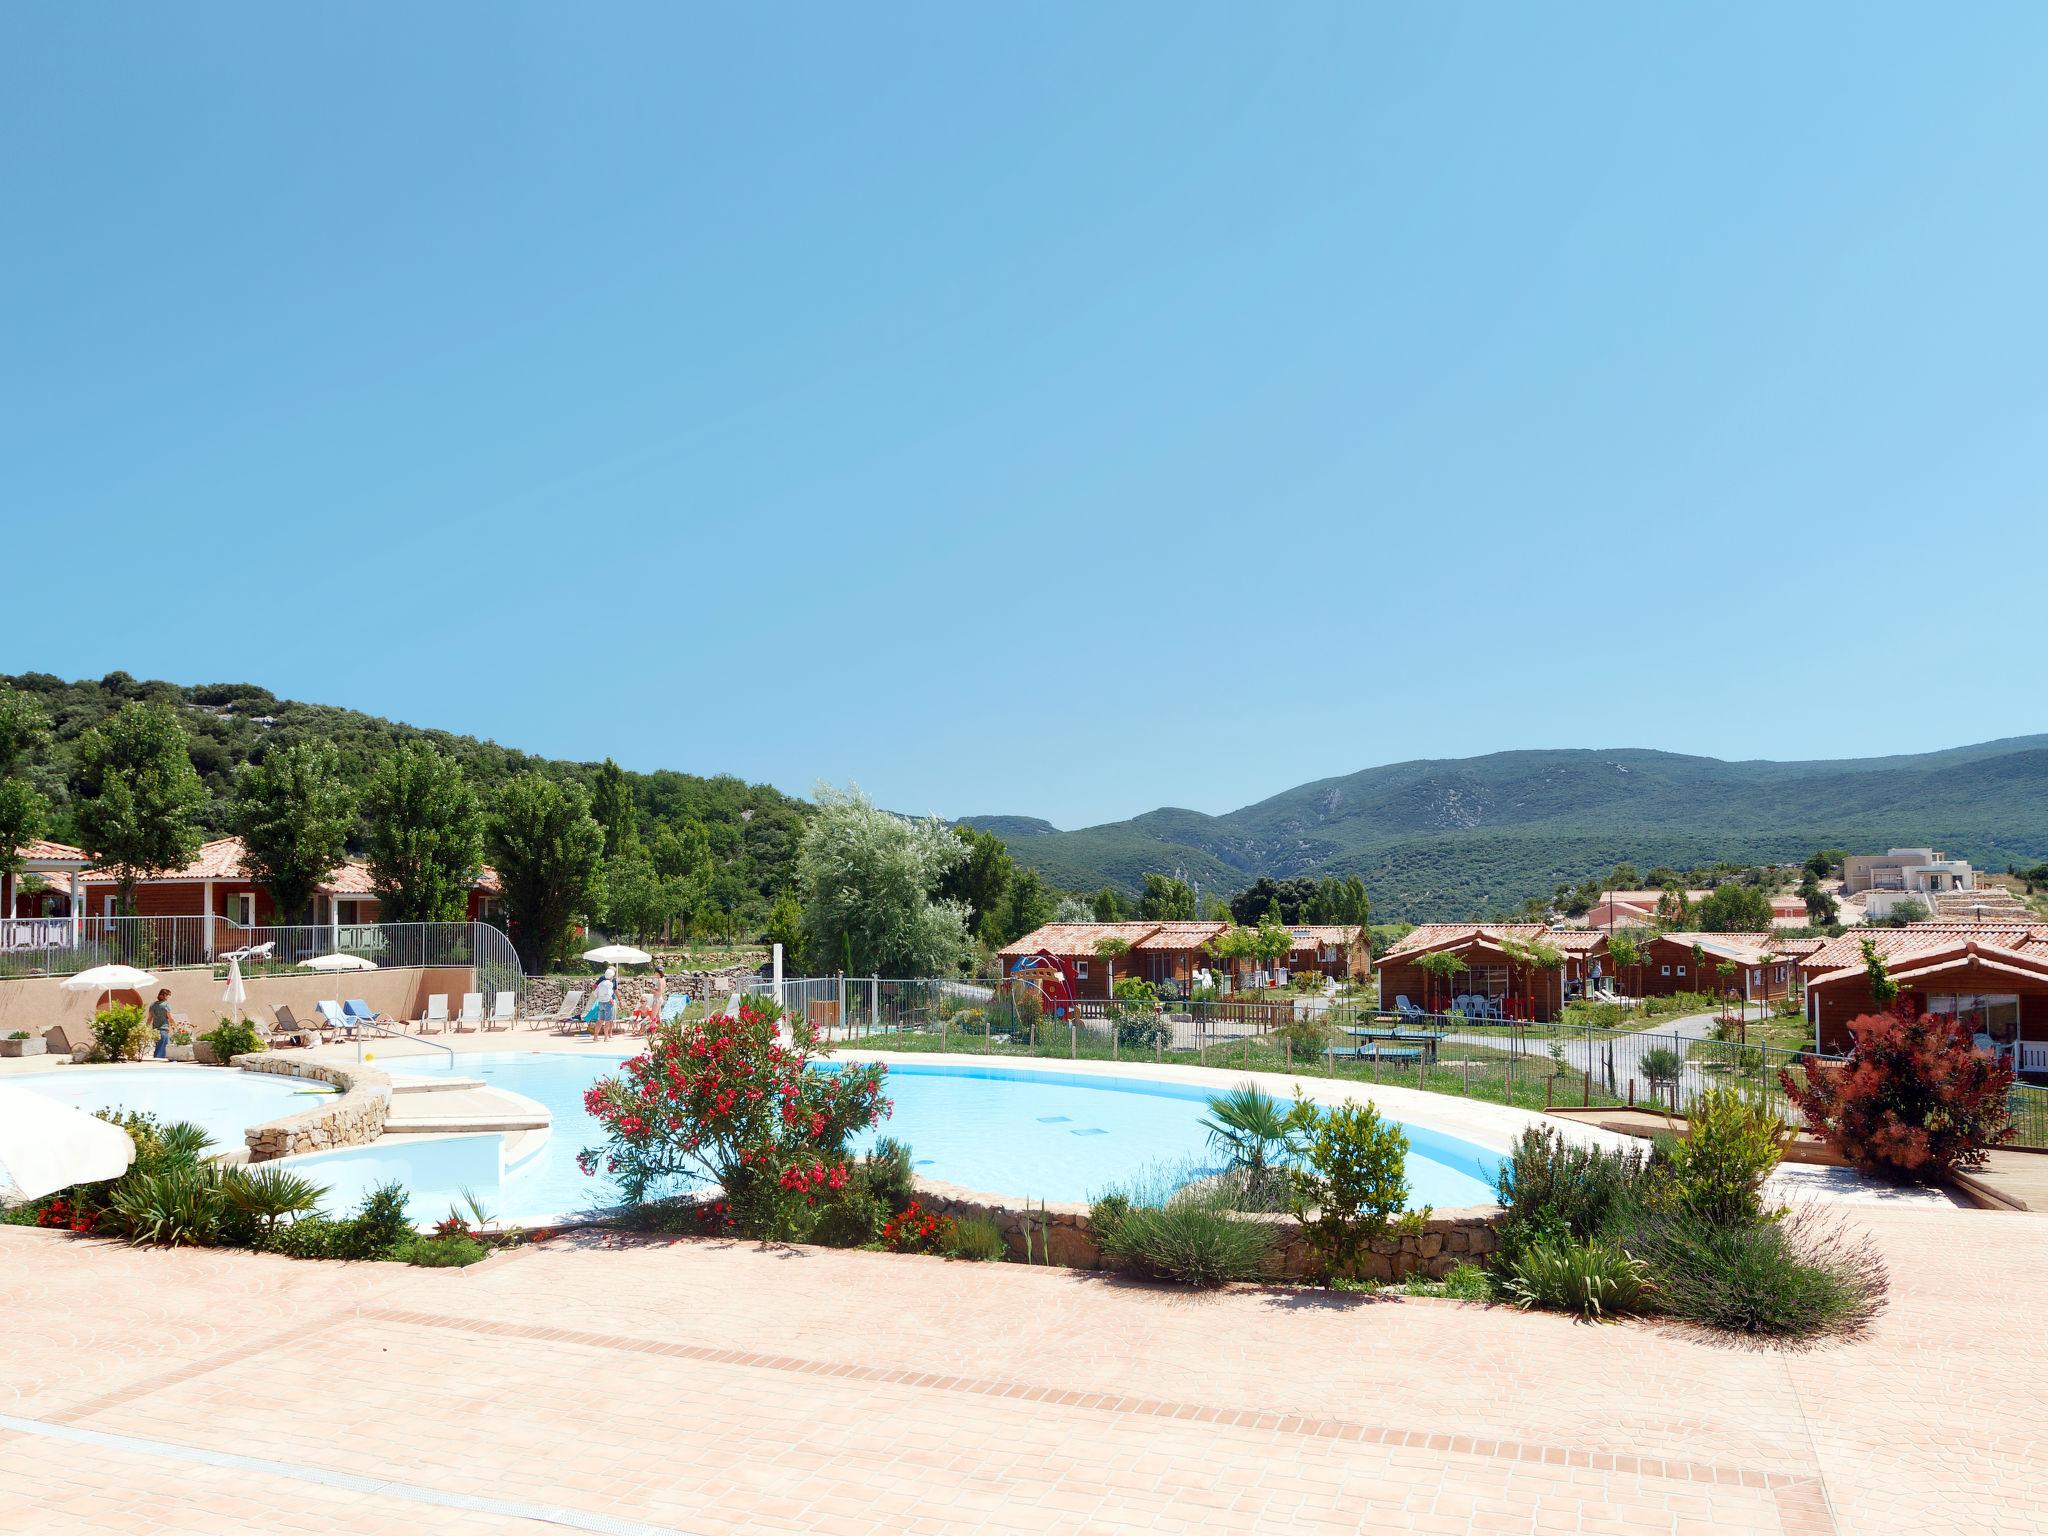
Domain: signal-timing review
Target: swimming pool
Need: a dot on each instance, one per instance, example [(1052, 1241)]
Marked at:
[(225, 1103), (1034, 1135)]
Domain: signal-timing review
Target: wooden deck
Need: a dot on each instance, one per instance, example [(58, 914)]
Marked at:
[(2014, 1181)]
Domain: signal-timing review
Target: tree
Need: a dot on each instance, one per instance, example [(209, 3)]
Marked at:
[(611, 802), (135, 796), (546, 846), (1109, 907), (293, 814), (1338, 902), (423, 836), (1167, 899), (637, 900), (24, 728), (786, 925), (1626, 948), (1734, 909), (869, 886), (1821, 906), (1026, 904), (1674, 907), (681, 854), (1883, 990), (1623, 877), (981, 881), (1440, 966)]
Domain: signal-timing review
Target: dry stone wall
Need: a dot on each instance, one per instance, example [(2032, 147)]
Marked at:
[(352, 1118), (1432, 1250)]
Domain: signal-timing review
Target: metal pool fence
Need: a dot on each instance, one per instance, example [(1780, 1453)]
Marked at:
[(65, 946), (1535, 1066)]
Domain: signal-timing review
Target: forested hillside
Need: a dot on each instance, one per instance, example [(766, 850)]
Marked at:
[(1475, 836), (735, 843)]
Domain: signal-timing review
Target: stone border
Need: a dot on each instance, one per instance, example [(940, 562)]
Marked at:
[(353, 1118), (1061, 1230)]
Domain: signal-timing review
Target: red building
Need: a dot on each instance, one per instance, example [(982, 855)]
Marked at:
[(1995, 979)]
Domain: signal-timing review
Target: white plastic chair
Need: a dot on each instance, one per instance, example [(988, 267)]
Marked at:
[(472, 1015), (503, 1008), (436, 1019)]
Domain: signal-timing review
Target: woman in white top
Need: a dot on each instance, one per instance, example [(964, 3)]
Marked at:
[(607, 999)]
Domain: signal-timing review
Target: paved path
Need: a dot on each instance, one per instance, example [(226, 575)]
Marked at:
[(708, 1387)]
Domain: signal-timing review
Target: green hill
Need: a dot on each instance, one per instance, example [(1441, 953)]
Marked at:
[(1471, 836), (752, 830)]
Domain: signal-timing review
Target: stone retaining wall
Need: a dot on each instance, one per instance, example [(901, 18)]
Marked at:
[(544, 994), (1438, 1246), (353, 1118)]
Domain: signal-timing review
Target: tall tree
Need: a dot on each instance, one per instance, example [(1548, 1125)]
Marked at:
[(546, 846), (869, 883), (611, 802), (135, 795), (1734, 909), (24, 728), (1167, 899), (1108, 906), (1026, 904), (981, 880), (292, 812), (424, 837)]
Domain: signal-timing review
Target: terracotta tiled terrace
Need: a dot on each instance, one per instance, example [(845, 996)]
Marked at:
[(710, 1387)]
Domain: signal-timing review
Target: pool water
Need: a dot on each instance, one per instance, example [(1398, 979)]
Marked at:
[(225, 1103), (1034, 1135)]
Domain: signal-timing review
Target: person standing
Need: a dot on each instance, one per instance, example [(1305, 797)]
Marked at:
[(160, 1021), (607, 1000), (660, 998)]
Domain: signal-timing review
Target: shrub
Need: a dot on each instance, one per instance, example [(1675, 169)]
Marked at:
[(1186, 1236), (1913, 1101), (1717, 1170), (1559, 1191), (310, 1237), (855, 1220), (120, 1032), (1350, 1180), (1303, 1037), (886, 1173), (914, 1229), (380, 1225), (1593, 1280), (724, 1101), (231, 1038), (453, 1251), (1797, 1278), (979, 1239), (1661, 1065), (172, 1203), (1142, 1029), (1468, 1282), (267, 1195)]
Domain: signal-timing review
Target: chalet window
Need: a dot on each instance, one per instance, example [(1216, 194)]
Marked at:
[(1080, 970), (1681, 970), (1667, 971)]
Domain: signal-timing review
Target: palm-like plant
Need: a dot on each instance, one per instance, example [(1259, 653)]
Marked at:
[(1252, 1134), (269, 1195)]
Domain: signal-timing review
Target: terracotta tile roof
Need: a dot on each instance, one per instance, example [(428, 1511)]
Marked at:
[(1575, 941), (1315, 935), (1742, 948), (222, 859), (1074, 938), (1903, 945), (43, 851), (2021, 954), (1429, 936), (1168, 936)]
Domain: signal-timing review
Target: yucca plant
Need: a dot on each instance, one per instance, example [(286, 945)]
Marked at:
[(173, 1204)]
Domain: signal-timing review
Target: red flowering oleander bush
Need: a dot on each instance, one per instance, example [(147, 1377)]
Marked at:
[(1915, 1100), (730, 1102), (917, 1230)]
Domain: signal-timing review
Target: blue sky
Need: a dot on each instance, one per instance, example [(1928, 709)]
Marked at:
[(1052, 409)]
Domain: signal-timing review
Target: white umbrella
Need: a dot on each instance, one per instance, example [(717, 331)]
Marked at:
[(337, 963), (108, 978), (236, 994), (45, 1146), (617, 954)]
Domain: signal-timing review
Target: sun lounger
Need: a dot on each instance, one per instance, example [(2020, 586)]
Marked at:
[(504, 1007), (471, 1018), (363, 1013), (337, 1021), (1406, 1009), (570, 1004), (291, 1030), (674, 1007), (436, 1017)]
